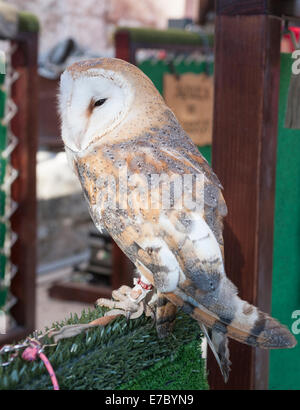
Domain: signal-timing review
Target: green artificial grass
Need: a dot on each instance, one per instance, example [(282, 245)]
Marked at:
[(184, 371), (169, 36), (111, 357)]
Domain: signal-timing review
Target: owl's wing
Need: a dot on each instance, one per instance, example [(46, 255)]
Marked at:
[(215, 208), (191, 238), (177, 243)]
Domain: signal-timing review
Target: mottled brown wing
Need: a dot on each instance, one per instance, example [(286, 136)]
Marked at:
[(137, 230), (167, 150)]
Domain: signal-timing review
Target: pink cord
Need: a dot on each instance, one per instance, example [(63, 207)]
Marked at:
[(31, 353)]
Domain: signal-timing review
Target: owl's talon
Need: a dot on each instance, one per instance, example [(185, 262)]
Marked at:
[(127, 301), (111, 304)]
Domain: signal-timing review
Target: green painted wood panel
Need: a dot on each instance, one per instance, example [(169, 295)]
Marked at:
[(285, 364)]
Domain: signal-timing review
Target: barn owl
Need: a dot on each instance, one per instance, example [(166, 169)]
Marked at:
[(123, 143)]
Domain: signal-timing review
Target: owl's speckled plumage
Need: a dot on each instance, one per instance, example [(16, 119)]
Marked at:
[(179, 250)]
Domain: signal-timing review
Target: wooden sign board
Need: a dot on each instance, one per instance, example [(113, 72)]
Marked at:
[(190, 97)]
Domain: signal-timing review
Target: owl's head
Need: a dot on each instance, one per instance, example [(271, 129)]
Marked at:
[(96, 96)]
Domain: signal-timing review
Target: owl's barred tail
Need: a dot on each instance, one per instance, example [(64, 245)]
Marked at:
[(247, 325), (263, 331)]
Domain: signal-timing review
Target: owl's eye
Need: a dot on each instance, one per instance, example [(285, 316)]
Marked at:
[(98, 103)]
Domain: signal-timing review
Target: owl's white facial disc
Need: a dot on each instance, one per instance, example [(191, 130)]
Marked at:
[(91, 104)]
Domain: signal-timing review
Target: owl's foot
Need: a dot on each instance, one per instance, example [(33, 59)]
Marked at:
[(128, 302)]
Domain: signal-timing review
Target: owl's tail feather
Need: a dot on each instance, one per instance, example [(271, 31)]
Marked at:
[(264, 332), (250, 326), (218, 342)]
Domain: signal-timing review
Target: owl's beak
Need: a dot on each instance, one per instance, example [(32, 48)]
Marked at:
[(77, 147), (78, 143)]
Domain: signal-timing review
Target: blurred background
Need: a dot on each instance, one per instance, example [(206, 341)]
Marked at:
[(92, 23), (67, 242)]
